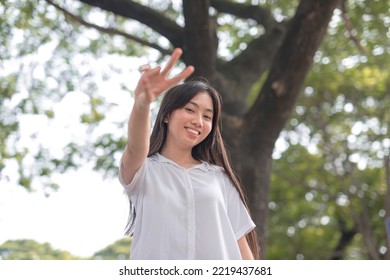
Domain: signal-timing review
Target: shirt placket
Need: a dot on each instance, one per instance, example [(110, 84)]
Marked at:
[(190, 216)]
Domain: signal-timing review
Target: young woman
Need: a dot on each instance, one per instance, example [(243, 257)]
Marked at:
[(186, 201)]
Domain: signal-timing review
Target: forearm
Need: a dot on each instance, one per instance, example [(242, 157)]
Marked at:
[(138, 130), (246, 253), (138, 138)]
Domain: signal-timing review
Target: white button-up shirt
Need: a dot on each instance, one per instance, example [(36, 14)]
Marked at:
[(193, 213)]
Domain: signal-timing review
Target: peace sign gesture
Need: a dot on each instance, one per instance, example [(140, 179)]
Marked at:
[(154, 81)]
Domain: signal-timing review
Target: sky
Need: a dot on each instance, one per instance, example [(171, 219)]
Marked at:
[(85, 215)]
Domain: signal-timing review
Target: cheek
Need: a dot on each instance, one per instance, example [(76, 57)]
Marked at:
[(208, 127), (175, 119), (179, 117)]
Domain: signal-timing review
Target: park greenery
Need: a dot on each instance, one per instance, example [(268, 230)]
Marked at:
[(326, 194), (32, 250)]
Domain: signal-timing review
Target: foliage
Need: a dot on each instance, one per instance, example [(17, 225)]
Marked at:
[(44, 58), (26, 249), (120, 250), (31, 250), (331, 174)]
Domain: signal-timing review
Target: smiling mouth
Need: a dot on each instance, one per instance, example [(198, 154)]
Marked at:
[(193, 131)]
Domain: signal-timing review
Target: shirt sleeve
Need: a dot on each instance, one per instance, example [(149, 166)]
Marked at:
[(135, 184), (239, 217)]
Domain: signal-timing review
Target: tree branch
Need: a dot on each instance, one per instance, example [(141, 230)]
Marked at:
[(110, 31), (246, 68), (363, 221), (277, 98), (346, 237), (257, 13), (151, 18), (254, 60), (349, 27), (200, 38)]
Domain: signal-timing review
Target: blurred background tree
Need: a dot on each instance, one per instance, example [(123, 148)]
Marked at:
[(32, 250), (117, 251), (337, 149), (330, 186)]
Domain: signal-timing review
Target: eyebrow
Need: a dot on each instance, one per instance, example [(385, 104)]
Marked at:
[(196, 105)]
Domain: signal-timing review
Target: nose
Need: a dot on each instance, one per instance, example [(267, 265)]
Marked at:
[(197, 120)]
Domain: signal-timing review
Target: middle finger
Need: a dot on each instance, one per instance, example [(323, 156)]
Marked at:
[(172, 61)]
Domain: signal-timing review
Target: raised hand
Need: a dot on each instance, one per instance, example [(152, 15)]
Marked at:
[(155, 81)]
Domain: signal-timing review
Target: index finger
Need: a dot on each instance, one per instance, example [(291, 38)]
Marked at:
[(182, 75), (176, 54)]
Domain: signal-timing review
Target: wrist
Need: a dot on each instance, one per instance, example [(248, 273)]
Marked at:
[(141, 103)]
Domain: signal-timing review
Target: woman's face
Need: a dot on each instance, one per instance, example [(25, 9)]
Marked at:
[(190, 125)]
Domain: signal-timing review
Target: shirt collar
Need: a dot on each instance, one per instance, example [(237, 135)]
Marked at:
[(204, 166)]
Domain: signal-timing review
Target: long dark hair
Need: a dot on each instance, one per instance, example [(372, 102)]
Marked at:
[(211, 149)]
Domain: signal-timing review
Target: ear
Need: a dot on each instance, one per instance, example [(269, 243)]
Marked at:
[(166, 119)]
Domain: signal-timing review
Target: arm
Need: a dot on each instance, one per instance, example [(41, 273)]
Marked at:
[(152, 83), (246, 253)]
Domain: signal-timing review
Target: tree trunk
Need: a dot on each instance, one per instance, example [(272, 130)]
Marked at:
[(199, 47), (264, 122)]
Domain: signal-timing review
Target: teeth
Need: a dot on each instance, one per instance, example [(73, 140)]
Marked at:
[(193, 131)]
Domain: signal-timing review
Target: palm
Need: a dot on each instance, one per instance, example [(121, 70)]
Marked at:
[(154, 81)]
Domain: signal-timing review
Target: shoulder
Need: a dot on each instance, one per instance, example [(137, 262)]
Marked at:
[(216, 169), (220, 173), (156, 159)]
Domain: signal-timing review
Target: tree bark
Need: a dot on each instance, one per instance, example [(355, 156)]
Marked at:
[(145, 15), (200, 35)]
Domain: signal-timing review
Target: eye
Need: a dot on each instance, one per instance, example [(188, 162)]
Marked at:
[(189, 110), (207, 117)]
